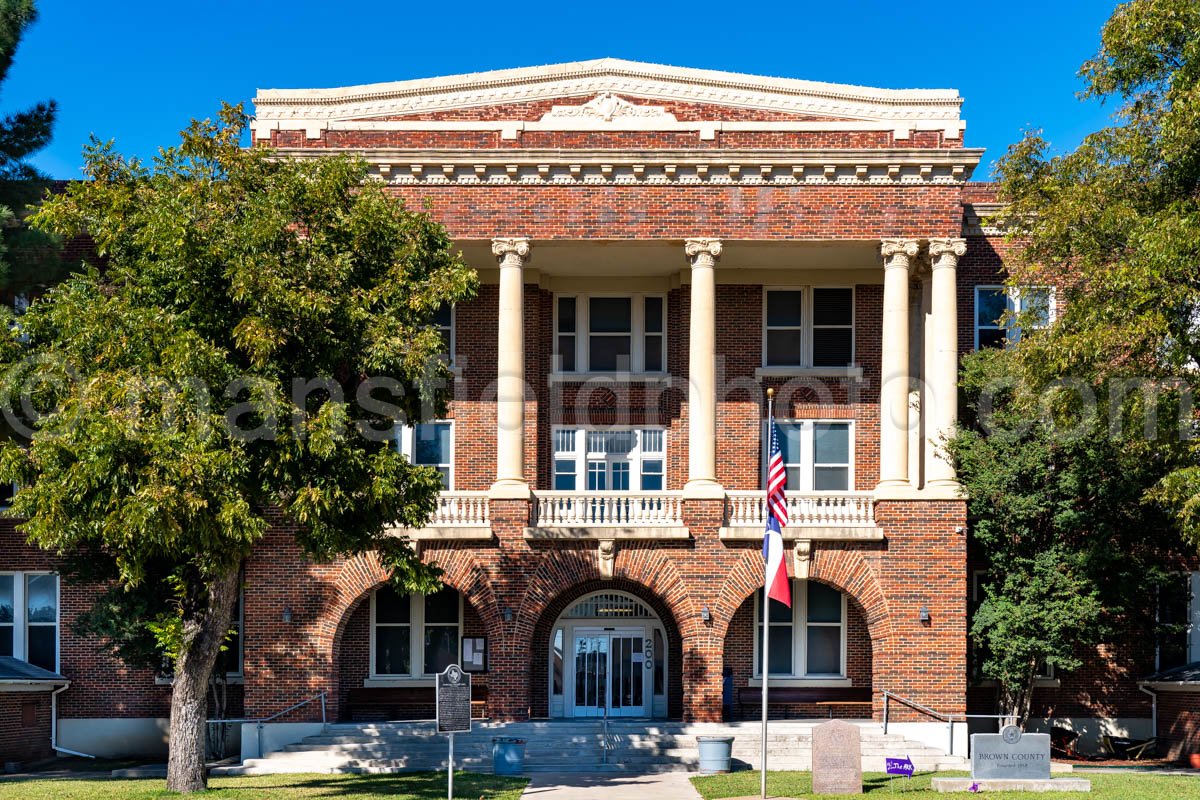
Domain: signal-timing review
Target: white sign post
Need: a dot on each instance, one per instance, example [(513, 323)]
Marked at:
[(453, 711)]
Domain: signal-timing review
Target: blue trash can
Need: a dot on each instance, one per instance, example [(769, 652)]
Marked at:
[(716, 754), (508, 755)]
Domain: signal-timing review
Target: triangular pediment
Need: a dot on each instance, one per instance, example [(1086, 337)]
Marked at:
[(608, 90)]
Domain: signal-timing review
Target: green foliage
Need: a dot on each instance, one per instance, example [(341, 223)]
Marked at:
[(1116, 223), (28, 258), (261, 326), (1056, 480)]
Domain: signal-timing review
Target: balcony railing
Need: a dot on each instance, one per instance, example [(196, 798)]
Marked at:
[(461, 510), (615, 509), (748, 510)]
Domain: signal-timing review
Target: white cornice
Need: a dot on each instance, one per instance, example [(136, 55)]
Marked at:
[(977, 216), (624, 78), (842, 167)]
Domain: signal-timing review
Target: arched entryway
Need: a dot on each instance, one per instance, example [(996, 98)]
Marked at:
[(606, 646), (608, 657)]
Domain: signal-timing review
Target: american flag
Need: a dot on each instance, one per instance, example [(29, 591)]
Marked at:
[(776, 578), (776, 480)]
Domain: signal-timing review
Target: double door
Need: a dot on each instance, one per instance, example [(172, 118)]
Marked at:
[(613, 671)]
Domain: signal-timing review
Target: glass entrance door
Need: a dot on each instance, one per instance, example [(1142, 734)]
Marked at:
[(610, 673)]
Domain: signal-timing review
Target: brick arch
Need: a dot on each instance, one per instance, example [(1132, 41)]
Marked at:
[(844, 569), (646, 567), (539, 649), (360, 575)]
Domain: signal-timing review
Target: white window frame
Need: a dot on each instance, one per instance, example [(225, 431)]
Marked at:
[(807, 326), (20, 625), (239, 672), (799, 626), (1193, 618), (452, 339), (637, 456), (416, 638), (405, 436), (807, 453), (1013, 298), (638, 333)]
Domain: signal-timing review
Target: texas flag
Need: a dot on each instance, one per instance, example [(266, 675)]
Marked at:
[(776, 582)]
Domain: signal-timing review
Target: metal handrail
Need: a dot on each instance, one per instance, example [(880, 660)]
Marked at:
[(263, 720), (914, 705)]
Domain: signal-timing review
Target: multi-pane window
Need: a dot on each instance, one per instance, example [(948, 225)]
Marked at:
[(817, 455), (807, 640), (996, 308), (230, 659), (430, 444), (1178, 635), (29, 618), (610, 334), (808, 327), (414, 635), (441, 630), (443, 321), (612, 459)]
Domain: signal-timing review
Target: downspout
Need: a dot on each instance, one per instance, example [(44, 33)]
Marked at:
[(54, 724), (1153, 708)]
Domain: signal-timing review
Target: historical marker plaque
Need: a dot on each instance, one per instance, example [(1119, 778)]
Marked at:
[(453, 700), (837, 758), (1011, 755)]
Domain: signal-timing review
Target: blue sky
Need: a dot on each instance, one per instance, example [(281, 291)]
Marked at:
[(138, 71)]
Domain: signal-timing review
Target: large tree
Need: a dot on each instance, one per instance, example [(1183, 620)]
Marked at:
[(260, 327), (1056, 477), (28, 258), (1115, 223)]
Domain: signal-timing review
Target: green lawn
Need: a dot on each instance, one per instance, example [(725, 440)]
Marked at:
[(1104, 787), (409, 786)]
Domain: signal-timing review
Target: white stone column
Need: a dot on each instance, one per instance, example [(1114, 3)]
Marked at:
[(941, 367), (894, 378), (702, 371), (512, 253)]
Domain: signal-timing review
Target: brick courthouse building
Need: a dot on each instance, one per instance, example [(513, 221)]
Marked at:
[(657, 247)]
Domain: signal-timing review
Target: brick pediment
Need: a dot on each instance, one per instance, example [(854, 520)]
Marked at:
[(562, 108)]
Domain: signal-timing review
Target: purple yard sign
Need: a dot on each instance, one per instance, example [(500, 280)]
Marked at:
[(899, 766)]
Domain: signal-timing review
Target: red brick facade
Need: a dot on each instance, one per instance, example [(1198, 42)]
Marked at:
[(307, 626)]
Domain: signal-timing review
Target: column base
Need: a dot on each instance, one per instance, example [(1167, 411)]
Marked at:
[(509, 489), (947, 488), (895, 490), (703, 490)]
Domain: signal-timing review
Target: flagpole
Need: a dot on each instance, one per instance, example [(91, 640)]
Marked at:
[(766, 618)]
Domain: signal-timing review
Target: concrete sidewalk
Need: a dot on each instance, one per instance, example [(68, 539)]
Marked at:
[(610, 786)]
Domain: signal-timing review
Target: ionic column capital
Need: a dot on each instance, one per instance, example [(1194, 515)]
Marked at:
[(898, 253), (702, 252), (944, 253), (511, 251)]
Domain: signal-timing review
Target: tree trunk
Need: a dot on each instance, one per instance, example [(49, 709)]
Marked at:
[(205, 625)]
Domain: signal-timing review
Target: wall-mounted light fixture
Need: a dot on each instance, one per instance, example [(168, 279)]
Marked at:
[(508, 615), (705, 614), (287, 613), (923, 615)]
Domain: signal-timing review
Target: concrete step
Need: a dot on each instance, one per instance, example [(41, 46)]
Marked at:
[(638, 745)]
